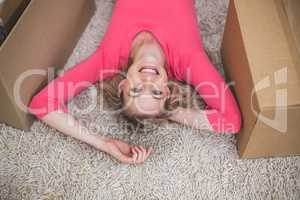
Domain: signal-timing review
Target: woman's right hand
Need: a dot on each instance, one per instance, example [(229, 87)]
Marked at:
[(125, 152)]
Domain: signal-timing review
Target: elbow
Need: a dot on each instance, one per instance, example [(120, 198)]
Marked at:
[(233, 123), (229, 123), (38, 106), (34, 106)]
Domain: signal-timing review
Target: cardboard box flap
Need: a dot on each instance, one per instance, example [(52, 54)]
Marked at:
[(290, 18), (269, 55), (10, 11), (7, 8), (292, 10)]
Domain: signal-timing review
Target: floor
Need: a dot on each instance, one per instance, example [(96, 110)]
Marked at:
[(186, 164)]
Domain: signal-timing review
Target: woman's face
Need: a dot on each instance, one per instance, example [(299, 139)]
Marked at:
[(145, 90)]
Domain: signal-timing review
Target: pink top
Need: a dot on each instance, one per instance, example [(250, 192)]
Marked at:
[(174, 24)]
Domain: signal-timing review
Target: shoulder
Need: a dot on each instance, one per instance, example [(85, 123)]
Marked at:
[(191, 61), (180, 61)]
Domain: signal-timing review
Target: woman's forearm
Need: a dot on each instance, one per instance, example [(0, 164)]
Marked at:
[(68, 125), (195, 118), (122, 151)]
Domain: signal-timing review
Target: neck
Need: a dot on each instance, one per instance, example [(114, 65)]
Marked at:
[(148, 52)]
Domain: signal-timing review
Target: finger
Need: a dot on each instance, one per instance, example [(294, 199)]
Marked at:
[(140, 155), (149, 151), (135, 155), (144, 153), (124, 158)]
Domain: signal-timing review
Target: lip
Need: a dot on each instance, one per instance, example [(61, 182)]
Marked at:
[(149, 70)]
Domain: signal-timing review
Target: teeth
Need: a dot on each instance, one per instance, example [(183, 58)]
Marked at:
[(149, 70)]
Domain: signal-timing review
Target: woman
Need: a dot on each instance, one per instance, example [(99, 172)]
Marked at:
[(152, 41)]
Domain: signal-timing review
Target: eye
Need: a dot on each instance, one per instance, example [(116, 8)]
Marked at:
[(157, 92), (135, 91)]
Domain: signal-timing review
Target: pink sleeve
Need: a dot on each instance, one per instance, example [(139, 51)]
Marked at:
[(221, 109), (60, 90)]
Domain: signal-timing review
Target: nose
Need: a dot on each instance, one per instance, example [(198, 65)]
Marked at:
[(148, 78), (149, 83)]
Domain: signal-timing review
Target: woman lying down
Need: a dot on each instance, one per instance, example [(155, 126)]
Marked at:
[(148, 45)]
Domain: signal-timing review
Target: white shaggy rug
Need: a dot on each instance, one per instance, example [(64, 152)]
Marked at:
[(185, 164)]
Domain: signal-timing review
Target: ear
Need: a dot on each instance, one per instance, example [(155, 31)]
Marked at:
[(121, 87)]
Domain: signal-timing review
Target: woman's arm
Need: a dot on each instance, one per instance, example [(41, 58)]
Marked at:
[(68, 125), (60, 90), (49, 105), (222, 110), (192, 117)]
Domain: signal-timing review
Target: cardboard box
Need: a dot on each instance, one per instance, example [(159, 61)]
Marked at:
[(260, 56), (291, 10), (8, 8), (43, 37), (10, 11)]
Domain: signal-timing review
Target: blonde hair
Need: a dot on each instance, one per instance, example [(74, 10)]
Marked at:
[(181, 95)]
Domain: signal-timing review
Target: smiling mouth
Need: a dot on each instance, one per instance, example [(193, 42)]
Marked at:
[(149, 70)]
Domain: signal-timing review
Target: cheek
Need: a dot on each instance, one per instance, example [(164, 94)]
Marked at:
[(131, 80)]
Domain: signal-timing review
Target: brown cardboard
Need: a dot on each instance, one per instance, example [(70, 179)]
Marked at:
[(290, 18), (1, 7), (292, 8), (43, 37), (7, 9), (259, 46), (10, 11)]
